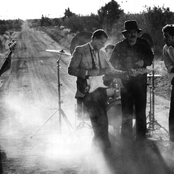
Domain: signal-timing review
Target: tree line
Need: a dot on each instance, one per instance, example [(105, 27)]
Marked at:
[(111, 18), (7, 25)]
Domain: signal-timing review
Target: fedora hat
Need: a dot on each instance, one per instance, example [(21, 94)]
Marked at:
[(131, 25)]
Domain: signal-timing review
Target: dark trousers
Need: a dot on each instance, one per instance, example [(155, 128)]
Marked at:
[(80, 107), (95, 104), (133, 99), (171, 116)]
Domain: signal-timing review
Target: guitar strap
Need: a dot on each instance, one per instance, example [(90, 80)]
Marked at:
[(99, 61), (95, 58)]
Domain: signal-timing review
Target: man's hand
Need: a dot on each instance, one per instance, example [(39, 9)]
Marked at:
[(133, 72), (116, 74), (121, 74), (140, 63)]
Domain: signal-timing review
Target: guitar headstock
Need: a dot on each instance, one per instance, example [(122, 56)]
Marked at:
[(12, 45)]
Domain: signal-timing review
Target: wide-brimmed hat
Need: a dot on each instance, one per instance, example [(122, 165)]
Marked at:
[(130, 25)]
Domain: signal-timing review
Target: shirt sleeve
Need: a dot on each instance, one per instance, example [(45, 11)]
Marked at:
[(167, 60), (115, 59)]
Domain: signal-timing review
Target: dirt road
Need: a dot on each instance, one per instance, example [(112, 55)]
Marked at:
[(29, 102), (29, 127)]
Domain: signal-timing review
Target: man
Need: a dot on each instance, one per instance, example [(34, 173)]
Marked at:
[(168, 55), (132, 54), (89, 60)]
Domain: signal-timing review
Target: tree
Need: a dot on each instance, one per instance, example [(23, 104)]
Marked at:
[(91, 23), (74, 23), (109, 14), (159, 16), (45, 21), (156, 18), (68, 13)]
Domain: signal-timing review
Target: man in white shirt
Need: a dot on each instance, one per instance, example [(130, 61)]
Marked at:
[(168, 54)]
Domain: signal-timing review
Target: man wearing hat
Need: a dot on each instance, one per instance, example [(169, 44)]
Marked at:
[(133, 54)]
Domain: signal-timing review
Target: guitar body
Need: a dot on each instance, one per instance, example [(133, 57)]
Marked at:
[(95, 82)]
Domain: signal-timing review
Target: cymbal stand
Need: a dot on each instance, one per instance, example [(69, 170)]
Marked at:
[(61, 112), (152, 121), (152, 100)]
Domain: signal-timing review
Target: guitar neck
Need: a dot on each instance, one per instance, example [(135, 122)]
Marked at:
[(135, 72), (11, 47), (125, 74), (9, 55)]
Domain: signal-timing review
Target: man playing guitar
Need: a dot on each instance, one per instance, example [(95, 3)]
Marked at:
[(133, 55), (89, 61)]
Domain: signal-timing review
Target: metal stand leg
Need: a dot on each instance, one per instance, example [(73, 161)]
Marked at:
[(82, 124), (152, 122)]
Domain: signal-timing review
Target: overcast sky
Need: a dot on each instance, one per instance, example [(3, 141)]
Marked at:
[(32, 9)]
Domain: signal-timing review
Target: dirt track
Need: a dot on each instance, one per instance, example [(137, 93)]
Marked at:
[(29, 98), (29, 126)]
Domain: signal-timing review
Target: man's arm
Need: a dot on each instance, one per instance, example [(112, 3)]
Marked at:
[(115, 57), (74, 67)]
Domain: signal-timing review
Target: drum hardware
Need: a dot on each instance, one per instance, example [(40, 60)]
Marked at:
[(61, 52), (151, 116), (113, 99), (61, 112), (82, 117), (117, 95)]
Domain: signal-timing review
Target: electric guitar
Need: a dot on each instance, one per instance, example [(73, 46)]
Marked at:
[(95, 82)]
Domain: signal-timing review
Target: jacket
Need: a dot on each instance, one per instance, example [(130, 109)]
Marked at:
[(124, 57), (81, 61)]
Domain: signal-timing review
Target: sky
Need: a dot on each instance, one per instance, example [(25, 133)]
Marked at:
[(34, 9)]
